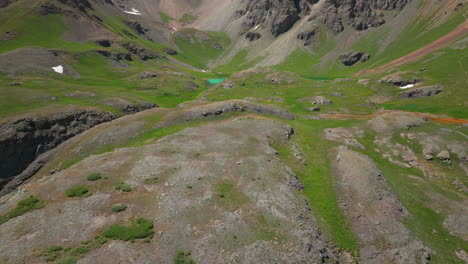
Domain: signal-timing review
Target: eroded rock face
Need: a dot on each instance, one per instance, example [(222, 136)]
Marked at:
[(359, 14), (261, 202), (22, 140), (375, 212), (142, 53), (278, 15), (5, 3), (309, 36)]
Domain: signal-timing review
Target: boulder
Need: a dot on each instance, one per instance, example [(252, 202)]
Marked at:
[(253, 36), (170, 51), (398, 80), (314, 109), (142, 53), (353, 57), (147, 75), (320, 100), (444, 156), (422, 92)]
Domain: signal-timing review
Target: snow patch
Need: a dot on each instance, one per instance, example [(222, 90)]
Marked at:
[(58, 69), (133, 12), (407, 86)]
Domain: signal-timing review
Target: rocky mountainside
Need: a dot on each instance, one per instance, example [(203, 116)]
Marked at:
[(233, 131)]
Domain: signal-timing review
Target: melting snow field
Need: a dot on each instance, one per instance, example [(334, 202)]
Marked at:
[(58, 69), (407, 86), (133, 12)]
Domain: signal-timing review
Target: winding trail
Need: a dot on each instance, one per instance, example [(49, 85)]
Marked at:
[(459, 31), (437, 119)]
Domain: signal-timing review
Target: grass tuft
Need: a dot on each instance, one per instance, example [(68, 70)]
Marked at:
[(29, 204), (78, 191), (122, 186), (139, 229), (94, 177), (119, 208), (182, 257)]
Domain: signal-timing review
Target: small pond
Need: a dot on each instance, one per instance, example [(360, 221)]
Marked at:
[(211, 82)]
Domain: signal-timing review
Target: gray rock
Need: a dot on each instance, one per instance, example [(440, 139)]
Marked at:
[(314, 109), (320, 100), (398, 80), (444, 156), (351, 58), (147, 75), (252, 36), (422, 92)]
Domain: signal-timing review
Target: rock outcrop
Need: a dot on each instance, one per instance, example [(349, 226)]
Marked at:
[(398, 79), (252, 36), (309, 36), (127, 106), (359, 14), (422, 91), (276, 15), (353, 57), (24, 139), (375, 212), (142, 53)]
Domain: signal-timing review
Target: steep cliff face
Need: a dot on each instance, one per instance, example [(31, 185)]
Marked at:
[(359, 14), (22, 140), (278, 15)]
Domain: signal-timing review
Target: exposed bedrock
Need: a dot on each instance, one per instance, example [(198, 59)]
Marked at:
[(278, 15), (260, 218), (359, 14), (374, 211), (24, 139)]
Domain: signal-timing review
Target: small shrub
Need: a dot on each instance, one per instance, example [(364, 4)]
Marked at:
[(55, 248), (121, 186), (189, 187), (221, 195), (79, 251), (101, 240), (69, 260), (119, 208), (182, 257), (77, 191), (151, 180), (94, 177), (140, 228), (29, 204), (197, 155)]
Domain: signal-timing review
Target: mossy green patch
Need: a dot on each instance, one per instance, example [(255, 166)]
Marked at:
[(94, 177), (26, 205), (119, 208), (77, 191), (121, 186), (140, 228), (182, 257)]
